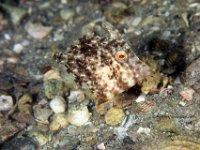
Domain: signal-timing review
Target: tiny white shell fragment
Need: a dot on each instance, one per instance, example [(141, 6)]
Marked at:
[(58, 104), (79, 116), (141, 98), (6, 102), (144, 130), (181, 103)]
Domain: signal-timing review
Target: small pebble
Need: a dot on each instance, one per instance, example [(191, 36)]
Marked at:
[(17, 48), (76, 95), (12, 60), (16, 14), (114, 116), (55, 87), (101, 146), (187, 94), (64, 1), (6, 102), (37, 31), (25, 42), (136, 21), (144, 130), (67, 14), (24, 104), (42, 114), (79, 116), (51, 74), (40, 137), (58, 104), (24, 118), (59, 121), (166, 34), (7, 36)]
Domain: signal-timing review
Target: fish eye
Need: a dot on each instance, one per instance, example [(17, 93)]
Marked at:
[(121, 56)]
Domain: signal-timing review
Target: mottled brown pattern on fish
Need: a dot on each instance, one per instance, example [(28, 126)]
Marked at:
[(93, 63)]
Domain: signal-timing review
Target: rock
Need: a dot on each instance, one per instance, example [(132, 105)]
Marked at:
[(24, 118), (41, 138), (192, 73), (16, 14), (115, 12), (59, 121), (76, 95), (128, 140), (67, 143), (58, 104), (17, 48), (37, 31), (51, 74), (21, 143), (24, 104), (196, 87), (88, 29), (42, 114), (187, 94), (54, 87), (79, 116), (69, 81), (7, 129), (12, 60), (114, 116), (66, 14), (6, 102), (58, 35)]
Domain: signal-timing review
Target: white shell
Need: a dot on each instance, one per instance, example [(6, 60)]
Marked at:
[(141, 98), (58, 104), (144, 130)]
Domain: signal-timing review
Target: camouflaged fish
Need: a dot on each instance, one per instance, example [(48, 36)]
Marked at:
[(106, 66)]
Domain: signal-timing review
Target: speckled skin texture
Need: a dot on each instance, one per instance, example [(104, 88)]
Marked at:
[(93, 62)]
